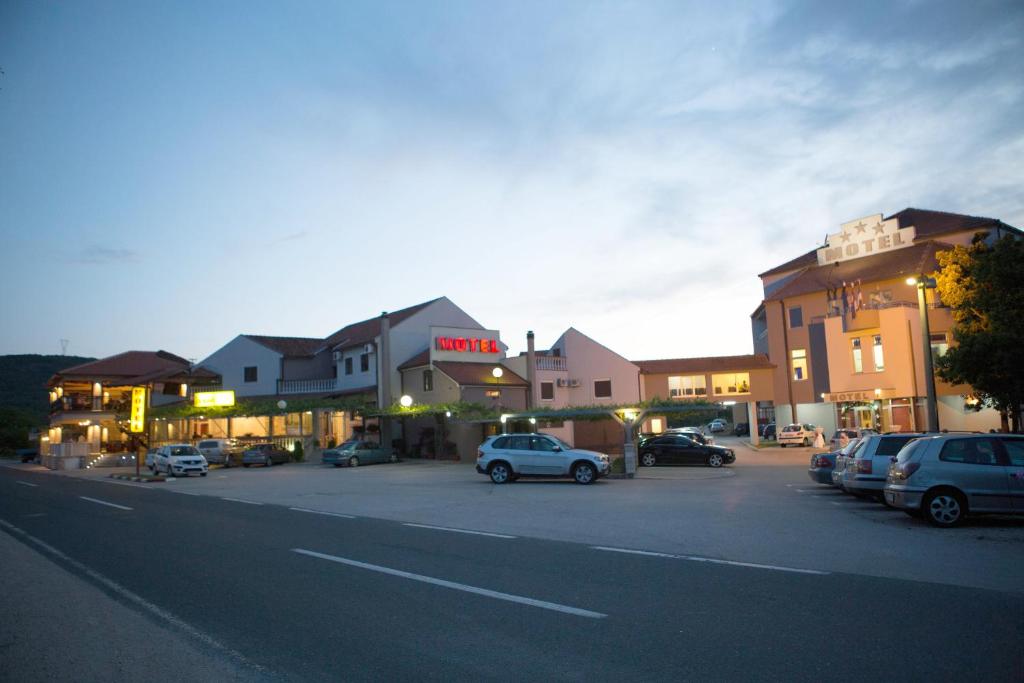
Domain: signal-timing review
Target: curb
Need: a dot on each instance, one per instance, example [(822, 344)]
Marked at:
[(130, 477)]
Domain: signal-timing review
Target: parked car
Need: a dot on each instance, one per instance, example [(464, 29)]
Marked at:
[(823, 464), (264, 454), (741, 429), (694, 433), (842, 461), (850, 434), (27, 454), (676, 448), (506, 457), (180, 460), (221, 451), (354, 452), (865, 474), (797, 434), (768, 433), (948, 476), (717, 425), (151, 459)]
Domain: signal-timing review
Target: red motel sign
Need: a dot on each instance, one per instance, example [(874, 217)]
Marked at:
[(466, 344)]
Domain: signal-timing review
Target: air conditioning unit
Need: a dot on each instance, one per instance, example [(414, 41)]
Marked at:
[(574, 383), (367, 348), (337, 356), (562, 382)]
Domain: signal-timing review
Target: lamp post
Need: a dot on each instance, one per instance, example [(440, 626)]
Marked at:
[(923, 282), (498, 372)]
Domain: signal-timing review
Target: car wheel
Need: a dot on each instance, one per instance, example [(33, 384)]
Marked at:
[(782, 445), (337, 464), (715, 460), (584, 473), (648, 460), (944, 508), (269, 462), (807, 442), (500, 473), (353, 461)]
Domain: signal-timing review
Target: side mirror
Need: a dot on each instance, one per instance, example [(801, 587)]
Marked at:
[(557, 449)]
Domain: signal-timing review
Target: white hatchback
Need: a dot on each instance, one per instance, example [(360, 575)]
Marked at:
[(180, 460), (797, 435)]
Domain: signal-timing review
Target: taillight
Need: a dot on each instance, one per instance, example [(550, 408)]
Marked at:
[(823, 462), (906, 469), (863, 466), (479, 454)]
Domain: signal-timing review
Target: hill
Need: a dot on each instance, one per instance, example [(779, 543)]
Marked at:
[(23, 382)]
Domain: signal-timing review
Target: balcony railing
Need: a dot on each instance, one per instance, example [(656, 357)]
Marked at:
[(551, 363), (306, 386)]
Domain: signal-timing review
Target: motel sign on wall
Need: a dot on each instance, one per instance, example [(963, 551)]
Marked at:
[(864, 237)]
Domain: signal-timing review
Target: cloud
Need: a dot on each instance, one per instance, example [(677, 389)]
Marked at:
[(97, 255)]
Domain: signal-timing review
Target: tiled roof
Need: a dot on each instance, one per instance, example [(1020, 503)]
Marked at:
[(754, 361), (367, 330), (126, 366), (289, 347), (919, 258), (419, 360), (478, 374), (928, 224)]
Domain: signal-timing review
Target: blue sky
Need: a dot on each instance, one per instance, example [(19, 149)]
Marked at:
[(173, 174)]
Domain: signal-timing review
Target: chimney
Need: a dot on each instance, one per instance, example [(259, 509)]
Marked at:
[(531, 369)]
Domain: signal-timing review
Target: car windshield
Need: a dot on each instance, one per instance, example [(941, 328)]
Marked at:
[(907, 451), (184, 450), (848, 448), (348, 445)]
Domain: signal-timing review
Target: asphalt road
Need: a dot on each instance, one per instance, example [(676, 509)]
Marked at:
[(274, 592)]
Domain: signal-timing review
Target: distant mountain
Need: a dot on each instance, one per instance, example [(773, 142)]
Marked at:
[(23, 382)]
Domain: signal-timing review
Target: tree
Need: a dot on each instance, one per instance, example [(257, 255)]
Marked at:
[(983, 284)]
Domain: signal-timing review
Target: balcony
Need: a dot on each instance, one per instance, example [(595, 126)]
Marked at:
[(551, 363), (307, 386)]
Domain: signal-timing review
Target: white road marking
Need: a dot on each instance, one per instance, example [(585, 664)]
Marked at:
[(712, 560), (543, 604), (184, 493), (239, 500), (125, 483), (458, 531), (132, 597), (322, 512), (788, 484), (25, 483), (103, 502)]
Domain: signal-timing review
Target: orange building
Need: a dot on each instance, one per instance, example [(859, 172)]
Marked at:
[(841, 325)]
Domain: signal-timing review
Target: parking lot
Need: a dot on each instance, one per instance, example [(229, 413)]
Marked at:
[(763, 509)]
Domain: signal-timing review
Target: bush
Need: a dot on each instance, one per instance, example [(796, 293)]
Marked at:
[(298, 455), (618, 466)]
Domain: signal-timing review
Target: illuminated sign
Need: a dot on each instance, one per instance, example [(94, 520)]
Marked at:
[(214, 399), (864, 237), (138, 418), (865, 396), (467, 344)]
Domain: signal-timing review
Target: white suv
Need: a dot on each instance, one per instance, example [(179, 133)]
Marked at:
[(180, 460), (797, 435), (506, 457)]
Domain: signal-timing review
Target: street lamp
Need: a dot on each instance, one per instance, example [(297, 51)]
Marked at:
[(923, 282), (405, 401)]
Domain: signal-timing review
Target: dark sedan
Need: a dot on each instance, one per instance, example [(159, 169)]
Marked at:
[(676, 448), (265, 454)]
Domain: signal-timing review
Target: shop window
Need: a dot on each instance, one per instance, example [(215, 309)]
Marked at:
[(796, 317), (939, 345), (690, 385), (799, 364), (876, 352), (732, 383), (364, 362), (602, 388), (428, 380), (547, 391), (251, 374), (348, 366), (858, 359)]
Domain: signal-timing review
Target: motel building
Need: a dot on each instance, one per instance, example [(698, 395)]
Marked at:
[(841, 327)]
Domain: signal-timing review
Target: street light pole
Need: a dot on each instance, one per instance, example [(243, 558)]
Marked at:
[(923, 282)]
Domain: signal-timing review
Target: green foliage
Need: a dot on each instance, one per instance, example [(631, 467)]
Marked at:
[(15, 424), (984, 286), (259, 406), (23, 379), (618, 466), (298, 455)]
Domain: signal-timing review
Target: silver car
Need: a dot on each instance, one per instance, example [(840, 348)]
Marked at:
[(506, 457), (865, 474), (945, 477)]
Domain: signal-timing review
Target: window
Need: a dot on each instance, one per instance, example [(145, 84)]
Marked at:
[(796, 317), (876, 351), (799, 364), (733, 383), (1015, 450), (539, 443), (939, 345), (518, 443), (858, 360), (251, 374), (348, 366), (428, 380), (364, 362), (602, 388), (334, 371), (501, 442), (547, 391), (969, 452), (692, 385)]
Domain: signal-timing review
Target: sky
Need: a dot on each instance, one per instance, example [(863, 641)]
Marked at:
[(174, 174)]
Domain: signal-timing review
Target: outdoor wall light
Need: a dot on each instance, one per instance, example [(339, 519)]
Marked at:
[(497, 372), (282, 404), (405, 401), (504, 419), (447, 413), (533, 420)]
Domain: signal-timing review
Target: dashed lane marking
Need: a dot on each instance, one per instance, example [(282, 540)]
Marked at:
[(25, 483), (103, 502), (323, 512), (457, 531), (508, 597), (239, 500), (712, 560)]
